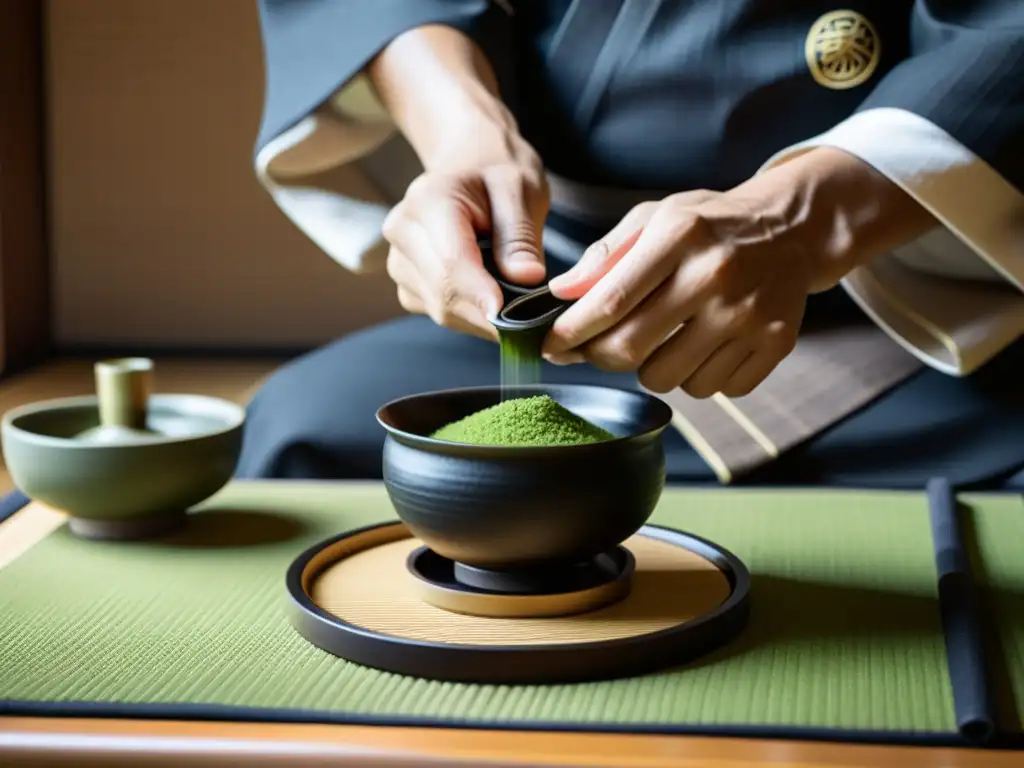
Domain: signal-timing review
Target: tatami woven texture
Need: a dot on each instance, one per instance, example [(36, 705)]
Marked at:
[(844, 631)]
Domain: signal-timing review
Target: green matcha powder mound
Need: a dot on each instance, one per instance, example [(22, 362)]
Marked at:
[(524, 421)]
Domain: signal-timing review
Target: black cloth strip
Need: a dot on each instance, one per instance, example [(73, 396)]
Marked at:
[(961, 620)]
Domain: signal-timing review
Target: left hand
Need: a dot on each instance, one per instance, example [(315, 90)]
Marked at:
[(706, 290), (695, 291)]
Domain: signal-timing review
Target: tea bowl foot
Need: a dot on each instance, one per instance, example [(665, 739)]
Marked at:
[(132, 529)]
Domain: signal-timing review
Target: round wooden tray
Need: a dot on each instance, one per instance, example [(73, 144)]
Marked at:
[(354, 597)]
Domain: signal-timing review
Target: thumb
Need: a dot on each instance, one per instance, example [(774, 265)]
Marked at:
[(517, 222), (595, 263)]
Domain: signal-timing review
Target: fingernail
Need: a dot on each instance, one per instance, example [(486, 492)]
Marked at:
[(526, 269), (570, 285), (595, 252), (566, 358), (491, 311), (561, 283), (522, 257)]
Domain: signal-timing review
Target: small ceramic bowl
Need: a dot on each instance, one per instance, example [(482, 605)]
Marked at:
[(502, 507), (123, 489)]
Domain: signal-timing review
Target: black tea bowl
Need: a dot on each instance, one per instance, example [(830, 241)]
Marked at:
[(508, 507)]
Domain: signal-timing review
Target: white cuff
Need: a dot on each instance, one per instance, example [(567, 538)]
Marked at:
[(955, 297), (346, 225)]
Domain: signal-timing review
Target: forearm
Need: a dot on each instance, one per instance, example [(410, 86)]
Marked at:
[(838, 208), (442, 92)]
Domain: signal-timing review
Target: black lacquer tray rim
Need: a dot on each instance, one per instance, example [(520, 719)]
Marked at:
[(554, 663)]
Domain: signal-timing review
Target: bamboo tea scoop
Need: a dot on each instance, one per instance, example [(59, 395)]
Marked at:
[(123, 388)]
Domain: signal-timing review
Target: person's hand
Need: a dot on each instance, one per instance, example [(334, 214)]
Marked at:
[(481, 178), (693, 291), (497, 188), (706, 291)]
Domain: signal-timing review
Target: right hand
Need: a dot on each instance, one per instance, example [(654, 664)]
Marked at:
[(492, 186)]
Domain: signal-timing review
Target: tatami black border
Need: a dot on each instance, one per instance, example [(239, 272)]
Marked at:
[(961, 619), (11, 503), (508, 665), (225, 713)]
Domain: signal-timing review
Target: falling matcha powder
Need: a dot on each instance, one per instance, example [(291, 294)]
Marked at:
[(523, 421)]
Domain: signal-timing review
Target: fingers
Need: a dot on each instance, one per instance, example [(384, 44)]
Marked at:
[(618, 292), (680, 357), (402, 271), (435, 227), (411, 302), (683, 292), (566, 358), (715, 372), (435, 259), (519, 206), (703, 362), (698, 363), (755, 369), (600, 257), (454, 269), (626, 346), (442, 268), (609, 250), (773, 345), (404, 275), (472, 325)]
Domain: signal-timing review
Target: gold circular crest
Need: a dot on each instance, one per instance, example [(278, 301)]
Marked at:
[(842, 50)]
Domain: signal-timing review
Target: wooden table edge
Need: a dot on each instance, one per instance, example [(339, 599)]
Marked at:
[(48, 740), (59, 740)]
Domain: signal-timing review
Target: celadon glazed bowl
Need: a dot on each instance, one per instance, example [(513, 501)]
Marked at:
[(123, 483)]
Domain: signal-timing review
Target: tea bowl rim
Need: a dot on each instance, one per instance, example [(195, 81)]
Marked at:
[(427, 442), (233, 417)]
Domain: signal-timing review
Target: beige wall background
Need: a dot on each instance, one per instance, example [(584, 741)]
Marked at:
[(160, 233)]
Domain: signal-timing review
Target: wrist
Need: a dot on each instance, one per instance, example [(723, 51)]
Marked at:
[(443, 95), (478, 130), (835, 209)]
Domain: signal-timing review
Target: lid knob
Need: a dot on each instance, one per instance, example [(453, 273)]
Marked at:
[(123, 387)]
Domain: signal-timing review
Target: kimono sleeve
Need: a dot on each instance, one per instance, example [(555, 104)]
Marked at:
[(945, 125), (320, 113), (965, 75), (314, 47)]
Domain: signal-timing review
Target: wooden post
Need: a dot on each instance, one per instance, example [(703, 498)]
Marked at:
[(24, 260)]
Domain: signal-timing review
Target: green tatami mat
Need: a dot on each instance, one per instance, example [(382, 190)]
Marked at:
[(844, 630), (995, 525)]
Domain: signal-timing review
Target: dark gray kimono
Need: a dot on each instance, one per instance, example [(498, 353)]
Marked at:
[(676, 95), (641, 98)]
